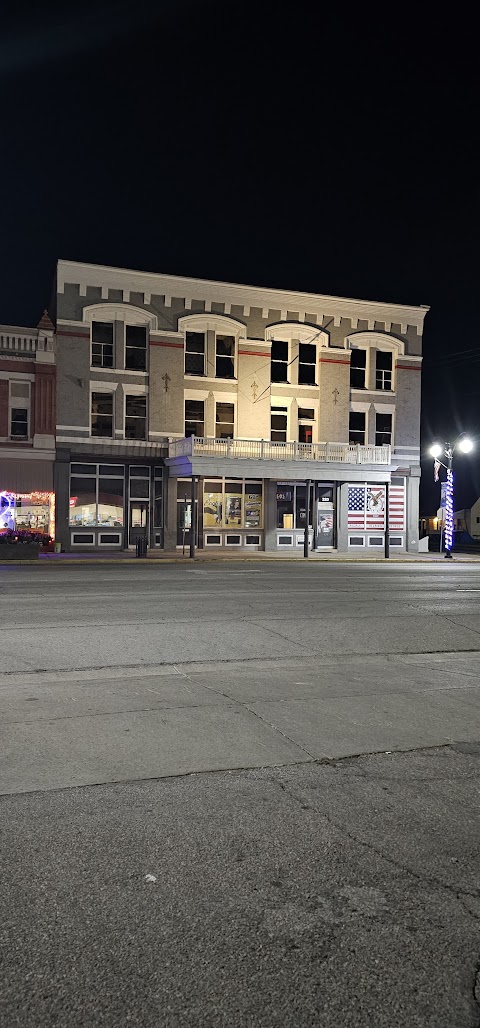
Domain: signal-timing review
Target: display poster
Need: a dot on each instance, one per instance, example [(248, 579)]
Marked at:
[(324, 529), (253, 509), (233, 507), (212, 508)]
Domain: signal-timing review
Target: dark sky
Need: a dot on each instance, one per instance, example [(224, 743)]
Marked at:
[(304, 150)]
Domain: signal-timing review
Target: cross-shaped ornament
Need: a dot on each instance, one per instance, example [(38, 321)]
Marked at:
[(166, 381), (335, 394), (254, 389)]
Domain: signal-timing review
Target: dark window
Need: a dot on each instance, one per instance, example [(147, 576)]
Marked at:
[(225, 357), (112, 538), (102, 344), (383, 370), (135, 417), (19, 423), (306, 414), (383, 429), (214, 540), (375, 540), (195, 353), (194, 417), (356, 427), (307, 365), (279, 361), (305, 433), (224, 421), (278, 425), (396, 540), (233, 540), (285, 540), (158, 502), (110, 502), (136, 347), (116, 470), (358, 365), (87, 540), (102, 414), (140, 471), (252, 540), (139, 489), (356, 540)]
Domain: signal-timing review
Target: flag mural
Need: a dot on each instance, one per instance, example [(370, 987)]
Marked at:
[(396, 507), (366, 508)]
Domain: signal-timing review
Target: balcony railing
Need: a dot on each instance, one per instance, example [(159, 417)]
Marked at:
[(23, 342), (263, 449)]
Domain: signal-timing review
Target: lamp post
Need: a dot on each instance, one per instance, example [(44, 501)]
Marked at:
[(447, 450)]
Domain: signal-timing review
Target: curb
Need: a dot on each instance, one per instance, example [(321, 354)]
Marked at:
[(158, 561)]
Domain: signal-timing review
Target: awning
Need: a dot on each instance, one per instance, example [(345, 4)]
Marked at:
[(26, 476)]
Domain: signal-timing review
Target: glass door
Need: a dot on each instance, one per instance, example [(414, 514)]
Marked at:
[(138, 521)]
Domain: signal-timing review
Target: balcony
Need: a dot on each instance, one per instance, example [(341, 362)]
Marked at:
[(262, 449)]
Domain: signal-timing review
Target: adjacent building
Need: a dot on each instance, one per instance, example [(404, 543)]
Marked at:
[(27, 427), (245, 411)]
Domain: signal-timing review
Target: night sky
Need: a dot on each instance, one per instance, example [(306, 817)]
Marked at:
[(306, 150)]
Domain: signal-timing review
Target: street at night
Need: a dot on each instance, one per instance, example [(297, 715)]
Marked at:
[(240, 794)]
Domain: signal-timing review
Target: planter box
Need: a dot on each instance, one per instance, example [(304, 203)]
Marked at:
[(19, 551)]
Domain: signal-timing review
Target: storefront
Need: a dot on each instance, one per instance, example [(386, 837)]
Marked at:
[(29, 512), (291, 515), (229, 513), (110, 505)]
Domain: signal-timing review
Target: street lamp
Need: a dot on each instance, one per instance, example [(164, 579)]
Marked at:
[(447, 450)]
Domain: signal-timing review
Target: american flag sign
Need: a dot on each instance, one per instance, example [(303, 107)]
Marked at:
[(396, 507), (366, 508), (356, 507)]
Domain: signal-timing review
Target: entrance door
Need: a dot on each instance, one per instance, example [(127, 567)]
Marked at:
[(138, 521)]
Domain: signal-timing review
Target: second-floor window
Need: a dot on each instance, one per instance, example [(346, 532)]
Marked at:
[(225, 357), (278, 424), (383, 370), (102, 414), (135, 417), (306, 418), (195, 353), (135, 347), (224, 418), (194, 417), (307, 363), (279, 362), (19, 411), (383, 429), (358, 365), (356, 427), (102, 344)]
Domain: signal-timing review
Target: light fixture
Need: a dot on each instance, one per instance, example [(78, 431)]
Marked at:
[(436, 450), (465, 445)]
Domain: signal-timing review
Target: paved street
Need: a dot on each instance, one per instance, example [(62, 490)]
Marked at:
[(319, 863)]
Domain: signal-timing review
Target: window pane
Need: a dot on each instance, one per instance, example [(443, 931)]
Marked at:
[(307, 413), (212, 504), (136, 335), (102, 332), (384, 360), (19, 423), (195, 342), (233, 504), (305, 433), (384, 423), (225, 367), (307, 353), (253, 505), (139, 488), (110, 501), (358, 359), (225, 413), (83, 501), (279, 421), (135, 359), (285, 507), (136, 406), (135, 428), (307, 364), (102, 403), (357, 427), (279, 350), (194, 417), (105, 469), (225, 346)]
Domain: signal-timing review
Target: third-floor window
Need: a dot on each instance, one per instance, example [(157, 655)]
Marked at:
[(307, 363), (195, 417), (358, 365), (102, 344), (102, 414), (278, 424), (383, 370), (224, 420), (195, 353), (356, 427), (225, 357), (135, 417), (279, 363), (135, 347), (383, 429)]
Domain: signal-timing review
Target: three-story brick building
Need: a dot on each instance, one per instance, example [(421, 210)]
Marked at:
[(273, 406)]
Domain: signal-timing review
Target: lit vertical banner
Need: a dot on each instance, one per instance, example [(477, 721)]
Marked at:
[(449, 511)]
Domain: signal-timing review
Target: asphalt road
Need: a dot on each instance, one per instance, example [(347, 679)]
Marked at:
[(232, 732)]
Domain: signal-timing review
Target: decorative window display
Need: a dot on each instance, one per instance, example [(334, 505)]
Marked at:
[(28, 512), (234, 503), (96, 495)]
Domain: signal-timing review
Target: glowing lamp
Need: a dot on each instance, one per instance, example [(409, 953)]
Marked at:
[(465, 445), (436, 450)]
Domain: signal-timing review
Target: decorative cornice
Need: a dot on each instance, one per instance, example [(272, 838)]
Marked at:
[(230, 293)]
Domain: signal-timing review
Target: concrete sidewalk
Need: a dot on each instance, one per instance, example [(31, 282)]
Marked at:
[(176, 557)]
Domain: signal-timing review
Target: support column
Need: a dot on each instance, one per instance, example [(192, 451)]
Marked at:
[(342, 516), (61, 485), (193, 529), (413, 488), (170, 531)]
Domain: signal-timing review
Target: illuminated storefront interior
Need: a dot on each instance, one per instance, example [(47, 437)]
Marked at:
[(29, 512)]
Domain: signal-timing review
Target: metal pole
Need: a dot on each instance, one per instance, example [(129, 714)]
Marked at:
[(307, 519), (184, 524), (387, 519), (448, 535), (193, 519)]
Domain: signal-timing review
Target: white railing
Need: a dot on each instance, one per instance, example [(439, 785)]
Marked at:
[(263, 449), (16, 342)]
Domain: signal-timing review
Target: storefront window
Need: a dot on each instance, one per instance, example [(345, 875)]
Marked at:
[(233, 503), (285, 506), (30, 512), (291, 505), (212, 503), (96, 495), (158, 499)]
